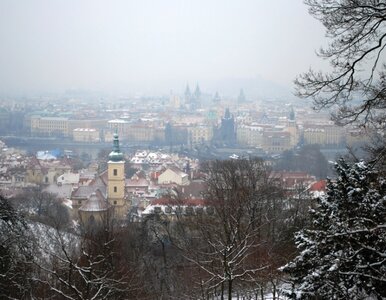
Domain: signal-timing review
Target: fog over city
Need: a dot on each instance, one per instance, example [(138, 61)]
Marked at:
[(191, 149), (152, 47)]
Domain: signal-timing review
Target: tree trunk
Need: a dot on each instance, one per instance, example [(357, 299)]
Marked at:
[(230, 289)]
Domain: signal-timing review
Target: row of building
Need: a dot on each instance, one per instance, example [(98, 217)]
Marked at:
[(273, 137)]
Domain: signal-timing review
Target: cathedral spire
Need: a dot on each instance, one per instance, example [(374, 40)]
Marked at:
[(241, 97), (197, 92)]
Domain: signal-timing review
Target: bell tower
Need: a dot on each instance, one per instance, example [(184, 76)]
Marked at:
[(116, 180)]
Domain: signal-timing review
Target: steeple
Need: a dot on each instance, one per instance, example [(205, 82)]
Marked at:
[(116, 180), (116, 154), (197, 92), (216, 98), (227, 114), (241, 97)]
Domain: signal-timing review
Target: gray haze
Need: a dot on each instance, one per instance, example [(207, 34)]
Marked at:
[(145, 46)]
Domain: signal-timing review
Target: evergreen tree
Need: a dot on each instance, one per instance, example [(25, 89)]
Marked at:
[(343, 254)]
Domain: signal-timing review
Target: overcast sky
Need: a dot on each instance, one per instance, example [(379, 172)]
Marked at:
[(159, 45)]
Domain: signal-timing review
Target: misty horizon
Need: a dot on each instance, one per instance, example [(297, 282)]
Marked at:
[(150, 47)]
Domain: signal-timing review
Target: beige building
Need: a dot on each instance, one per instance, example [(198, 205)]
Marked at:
[(56, 126), (249, 135), (45, 172), (90, 123), (356, 136), (95, 213), (120, 126), (49, 126), (200, 133), (276, 141), (86, 135), (324, 134), (173, 175), (293, 130), (175, 101), (140, 133)]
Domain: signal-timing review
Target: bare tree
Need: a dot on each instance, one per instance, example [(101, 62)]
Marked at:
[(91, 266), (356, 84), (225, 243)]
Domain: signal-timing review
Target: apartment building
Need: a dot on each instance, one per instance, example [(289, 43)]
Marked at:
[(49, 126), (249, 135), (86, 135), (200, 133)]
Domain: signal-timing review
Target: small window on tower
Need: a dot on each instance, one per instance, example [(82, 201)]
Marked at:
[(115, 172), (115, 189)]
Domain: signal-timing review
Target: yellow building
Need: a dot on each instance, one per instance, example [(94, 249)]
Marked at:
[(116, 181)]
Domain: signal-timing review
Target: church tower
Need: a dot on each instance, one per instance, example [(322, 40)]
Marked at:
[(116, 180), (292, 128)]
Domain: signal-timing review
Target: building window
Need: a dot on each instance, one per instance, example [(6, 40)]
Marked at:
[(115, 189), (115, 202), (115, 172)]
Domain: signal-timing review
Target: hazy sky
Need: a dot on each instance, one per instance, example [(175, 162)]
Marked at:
[(143, 45)]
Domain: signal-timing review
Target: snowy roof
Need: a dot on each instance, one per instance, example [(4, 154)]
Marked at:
[(96, 202), (45, 155), (117, 121)]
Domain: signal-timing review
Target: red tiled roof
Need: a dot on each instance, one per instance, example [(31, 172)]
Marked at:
[(318, 186)]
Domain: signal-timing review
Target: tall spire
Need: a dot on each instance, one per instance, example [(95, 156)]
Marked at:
[(227, 114), (241, 97), (216, 97), (197, 92)]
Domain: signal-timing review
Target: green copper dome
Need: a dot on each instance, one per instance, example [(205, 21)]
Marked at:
[(116, 154)]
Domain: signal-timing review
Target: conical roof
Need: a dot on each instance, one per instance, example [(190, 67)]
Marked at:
[(95, 203)]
